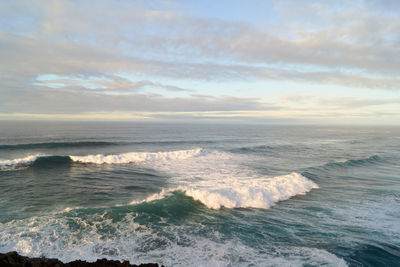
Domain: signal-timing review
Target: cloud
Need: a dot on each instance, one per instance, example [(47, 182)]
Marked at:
[(136, 56), (48, 100), (336, 103), (25, 58), (105, 84)]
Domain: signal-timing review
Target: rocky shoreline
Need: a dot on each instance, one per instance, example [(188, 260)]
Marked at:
[(12, 259)]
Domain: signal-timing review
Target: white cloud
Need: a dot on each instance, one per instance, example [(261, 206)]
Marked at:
[(87, 45)]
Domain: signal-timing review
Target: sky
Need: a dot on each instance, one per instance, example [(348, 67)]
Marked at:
[(284, 62)]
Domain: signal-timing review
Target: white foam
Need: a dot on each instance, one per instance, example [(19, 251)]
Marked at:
[(153, 197), (67, 209), (243, 193), (138, 156), (112, 159), (13, 163), (251, 193), (382, 215), (220, 179), (215, 178), (99, 236), (206, 252)]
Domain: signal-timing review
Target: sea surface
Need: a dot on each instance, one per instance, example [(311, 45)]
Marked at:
[(201, 194)]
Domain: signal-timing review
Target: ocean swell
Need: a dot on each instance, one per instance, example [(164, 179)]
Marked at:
[(355, 162), (48, 145)]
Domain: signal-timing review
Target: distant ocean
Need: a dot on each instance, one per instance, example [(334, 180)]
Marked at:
[(201, 194)]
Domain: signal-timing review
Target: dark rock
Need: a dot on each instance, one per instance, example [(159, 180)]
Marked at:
[(12, 259)]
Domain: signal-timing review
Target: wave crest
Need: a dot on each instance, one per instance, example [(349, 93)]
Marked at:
[(139, 156), (18, 163), (355, 162), (256, 193)]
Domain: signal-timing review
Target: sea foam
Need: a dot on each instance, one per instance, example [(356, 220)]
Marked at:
[(219, 179), (19, 162), (138, 156), (215, 178), (260, 193), (123, 238), (255, 193), (131, 157)]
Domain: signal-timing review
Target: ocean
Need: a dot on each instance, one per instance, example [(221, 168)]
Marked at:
[(201, 194)]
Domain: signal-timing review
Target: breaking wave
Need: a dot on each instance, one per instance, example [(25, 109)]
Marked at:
[(219, 179), (11, 164), (256, 193), (21, 163), (216, 179), (139, 156)]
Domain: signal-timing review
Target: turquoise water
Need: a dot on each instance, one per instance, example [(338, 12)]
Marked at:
[(201, 195)]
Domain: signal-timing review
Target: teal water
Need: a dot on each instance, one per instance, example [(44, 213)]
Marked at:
[(201, 195)]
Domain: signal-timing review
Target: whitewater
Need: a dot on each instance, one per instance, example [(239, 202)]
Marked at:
[(198, 176), (201, 195)]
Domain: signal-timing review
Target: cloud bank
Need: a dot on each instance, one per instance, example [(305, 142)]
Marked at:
[(76, 58)]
